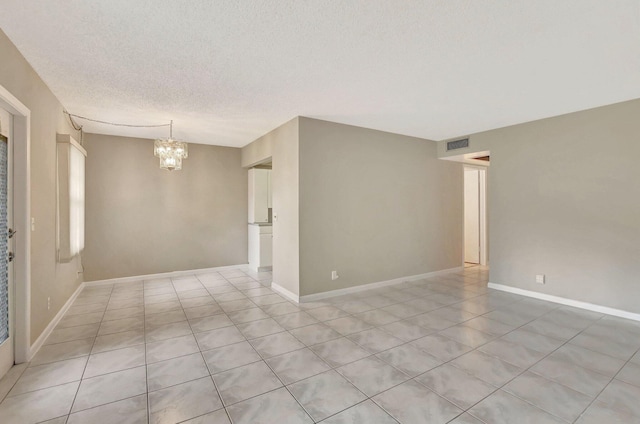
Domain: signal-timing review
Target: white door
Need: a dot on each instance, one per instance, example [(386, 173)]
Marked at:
[(6, 288), (472, 215)]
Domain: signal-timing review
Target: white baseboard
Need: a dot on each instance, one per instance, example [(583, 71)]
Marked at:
[(35, 347), (170, 274), (348, 290), (564, 301), (286, 293)]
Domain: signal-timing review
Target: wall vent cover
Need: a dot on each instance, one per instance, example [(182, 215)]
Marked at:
[(457, 144)]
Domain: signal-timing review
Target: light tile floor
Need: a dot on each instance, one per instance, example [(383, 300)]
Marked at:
[(222, 347)]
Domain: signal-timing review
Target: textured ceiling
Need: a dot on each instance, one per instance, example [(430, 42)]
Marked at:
[(228, 71)]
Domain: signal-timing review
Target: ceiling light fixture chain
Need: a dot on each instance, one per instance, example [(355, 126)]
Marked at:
[(117, 124), (170, 151)]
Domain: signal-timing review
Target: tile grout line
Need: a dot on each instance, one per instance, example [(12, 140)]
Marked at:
[(89, 356), (435, 331), (207, 367), (607, 385)]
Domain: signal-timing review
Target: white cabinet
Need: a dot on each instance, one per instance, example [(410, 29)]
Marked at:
[(259, 195), (260, 247)]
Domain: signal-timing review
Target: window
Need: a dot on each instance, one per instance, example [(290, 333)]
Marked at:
[(71, 158)]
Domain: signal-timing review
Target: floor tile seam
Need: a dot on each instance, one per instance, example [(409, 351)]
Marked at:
[(476, 417), (560, 306), (90, 303), (67, 314), (293, 329), (462, 410), (75, 396), (521, 327), (9, 396), (54, 418), (146, 369), (265, 335), (549, 412), (287, 388), (357, 404), (342, 410), (215, 385), (599, 353), (624, 366), (375, 354), (179, 383), (446, 337), (592, 401), (207, 413), (115, 319), (528, 369), (498, 309), (607, 385), (13, 385), (591, 350), (499, 388), (605, 354), (118, 332), (409, 378), (212, 374), (225, 405), (124, 307), (464, 372), (168, 322), (331, 367), (101, 405), (117, 348)]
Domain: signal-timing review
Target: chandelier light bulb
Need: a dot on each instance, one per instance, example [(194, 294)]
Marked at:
[(170, 151)]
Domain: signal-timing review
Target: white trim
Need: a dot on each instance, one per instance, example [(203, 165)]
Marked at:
[(161, 275), (286, 293), (564, 301), (483, 180), (21, 220), (483, 226), (35, 347), (348, 290), (66, 138), (469, 158)]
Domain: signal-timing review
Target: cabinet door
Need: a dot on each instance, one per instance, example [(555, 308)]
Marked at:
[(266, 253)]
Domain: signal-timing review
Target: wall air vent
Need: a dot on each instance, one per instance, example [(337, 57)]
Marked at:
[(457, 144)]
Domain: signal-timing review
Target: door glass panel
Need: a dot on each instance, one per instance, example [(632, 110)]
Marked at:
[(4, 248)]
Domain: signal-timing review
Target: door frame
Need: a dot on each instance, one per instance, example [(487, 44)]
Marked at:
[(482, 204), (21, 221)]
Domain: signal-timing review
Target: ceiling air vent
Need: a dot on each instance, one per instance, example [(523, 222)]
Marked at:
[(457, 144)]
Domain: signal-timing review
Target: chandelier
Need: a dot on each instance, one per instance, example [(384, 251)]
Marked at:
[(170, 151)]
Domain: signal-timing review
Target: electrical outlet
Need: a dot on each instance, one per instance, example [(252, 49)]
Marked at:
[(334, 275), (33, 224), (48, 303), (540, 278)]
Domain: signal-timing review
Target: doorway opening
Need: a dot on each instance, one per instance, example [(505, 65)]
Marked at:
[(7, 326), (475, 216), (18, 172), (261, 217)]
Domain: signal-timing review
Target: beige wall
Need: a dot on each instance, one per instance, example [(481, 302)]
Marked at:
[(281, 146), (374, 206), (48, 278), (141, 219), (565, 202)]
